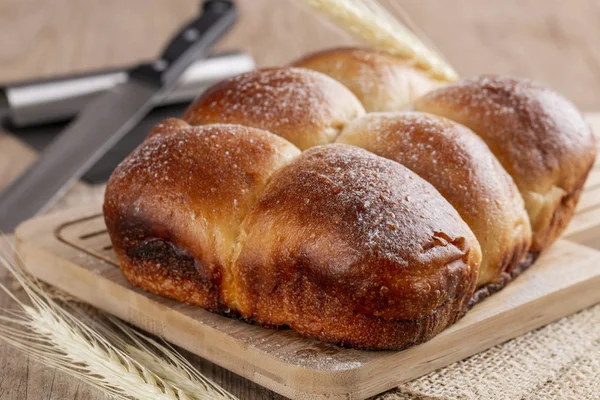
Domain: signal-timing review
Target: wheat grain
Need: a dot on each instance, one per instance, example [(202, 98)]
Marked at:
[(163, 359), (372, 23)]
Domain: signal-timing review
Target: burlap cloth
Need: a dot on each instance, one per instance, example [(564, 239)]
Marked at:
[(558, 361)]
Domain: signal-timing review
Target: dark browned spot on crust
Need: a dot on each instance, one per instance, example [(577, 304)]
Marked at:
[(165, 253), (156, 260)]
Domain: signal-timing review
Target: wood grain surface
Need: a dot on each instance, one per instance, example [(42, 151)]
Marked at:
[(552, 41)]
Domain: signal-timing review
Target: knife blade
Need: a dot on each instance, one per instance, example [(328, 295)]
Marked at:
[(44, 101), (106, 119)]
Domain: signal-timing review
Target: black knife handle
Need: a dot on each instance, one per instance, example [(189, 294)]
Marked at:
[(4, 105), (191, 43)]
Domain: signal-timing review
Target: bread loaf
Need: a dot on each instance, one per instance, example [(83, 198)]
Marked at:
[(279, 201)]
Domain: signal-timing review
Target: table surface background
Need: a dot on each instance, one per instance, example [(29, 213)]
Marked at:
[(552, 41)]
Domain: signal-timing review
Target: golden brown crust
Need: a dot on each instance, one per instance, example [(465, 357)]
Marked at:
[(345, 245), (381, 81), (305, 107), (460, 165), (539, 137), (174, 207)]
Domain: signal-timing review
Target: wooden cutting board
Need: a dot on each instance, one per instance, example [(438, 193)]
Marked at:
[(71, 250)]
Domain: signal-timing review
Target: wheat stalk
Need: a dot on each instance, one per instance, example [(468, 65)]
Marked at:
[(372, 23), (100, 350), (163, 359)]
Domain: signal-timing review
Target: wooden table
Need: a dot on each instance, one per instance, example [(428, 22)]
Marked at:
[(552, 41)]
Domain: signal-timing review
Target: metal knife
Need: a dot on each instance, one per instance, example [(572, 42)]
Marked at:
[(57, 99), (106, 119)]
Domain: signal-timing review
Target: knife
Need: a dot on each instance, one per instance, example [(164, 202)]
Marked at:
[(107, 118), (44, 101)]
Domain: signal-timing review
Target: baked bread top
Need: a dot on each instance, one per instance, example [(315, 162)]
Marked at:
[(305, 107)]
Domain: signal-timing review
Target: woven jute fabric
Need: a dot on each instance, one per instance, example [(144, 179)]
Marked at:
[(558, 361)]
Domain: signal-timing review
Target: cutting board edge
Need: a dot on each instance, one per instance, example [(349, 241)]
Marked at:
[(353, 383)]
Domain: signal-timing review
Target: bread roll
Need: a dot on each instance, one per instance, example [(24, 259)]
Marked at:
[(305, 107), (539, 137), (463, 169), (351, 248), (174, 207), (381, 81)]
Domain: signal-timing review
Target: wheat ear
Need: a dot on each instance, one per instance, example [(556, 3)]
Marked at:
[(101, 351), (373, 24)]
